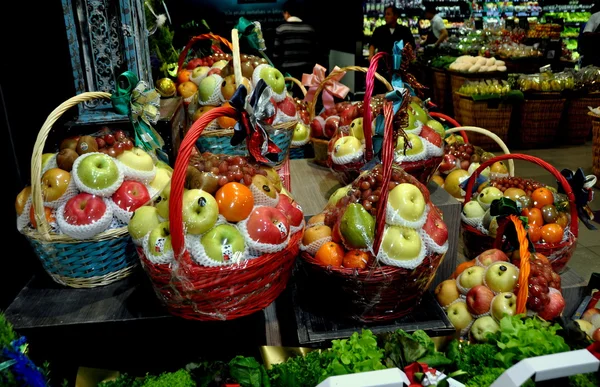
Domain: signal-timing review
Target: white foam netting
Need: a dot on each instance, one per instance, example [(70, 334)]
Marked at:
[(432, 245), (160, 259), (400, 157), (144, 177), (432, 150), (215, 98), (86, 231), (348, 158), (69, 193), (195, 247), (474, 222), (105, 192), (120, 213), (416, 130), (257, 249), (392, 217), (313, 247), (262, 199), (406, 264), (23, 219)]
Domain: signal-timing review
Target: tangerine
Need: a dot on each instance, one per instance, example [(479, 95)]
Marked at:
[(235, 201), (542, 197), (355, 259), (330, 254), (47, 212), (460, 268), (534, 216), (552, 233), (535, 233)]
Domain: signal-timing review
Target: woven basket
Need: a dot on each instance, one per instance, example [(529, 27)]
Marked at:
[(214, 293), (101, 260), (457, 79), (219, 140), (492, 115), (596, 146), (195, 39), (558, 254), (379, 294), (539, 120), (577, 122), (299, 152), (441, 90)]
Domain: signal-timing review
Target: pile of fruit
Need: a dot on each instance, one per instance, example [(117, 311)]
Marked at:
[(302, 130), (488, 87), (343, 234), (484, 290), (477, 64), (590, 323), (326, 124), (547, 82), (233, 210), (92, 184)]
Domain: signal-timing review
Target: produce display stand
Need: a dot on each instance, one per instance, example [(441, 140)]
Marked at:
[(441, 89), (577, 123), (536, 121), (457, 79)]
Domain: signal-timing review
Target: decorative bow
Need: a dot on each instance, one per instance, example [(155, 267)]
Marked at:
[(25, 371), (400, 99), (502, 209), (251, 32), (403, 56), (332, 88), (254, 123), (141, 104), (582, 189)]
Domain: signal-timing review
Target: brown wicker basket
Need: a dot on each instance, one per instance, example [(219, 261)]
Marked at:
[(441, 90), (539, 119), (596, 146), (490, 114), (457, 79), (577, 122)]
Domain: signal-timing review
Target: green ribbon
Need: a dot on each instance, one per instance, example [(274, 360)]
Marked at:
[(502, 208), (141, 105), (7, 364), (252, 33)]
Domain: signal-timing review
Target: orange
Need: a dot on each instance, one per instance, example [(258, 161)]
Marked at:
[(226, 122), (542, 197), (47, 211), (355, 259), (235, 201), (183, 76), (534, 216), (541, 257), (330, 254), (535, 233), (552, 233), (460, 268)]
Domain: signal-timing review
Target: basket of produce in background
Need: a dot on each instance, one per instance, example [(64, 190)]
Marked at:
[(301, 147), (442, 96), (595, 116), (374, 250), (215, 86), (75, 213), (552, 218), (220, 241), (577, 123)]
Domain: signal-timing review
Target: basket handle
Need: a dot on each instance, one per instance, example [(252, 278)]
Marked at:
[(193, 40), (574, 226), (298, 83), (493, 136), (451, 121), (36, 158), (524, 266), (179, 172)]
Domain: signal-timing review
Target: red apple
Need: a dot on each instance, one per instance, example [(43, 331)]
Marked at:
[(292, 209), (492, 255), (348, 114), (331, 125), (84, 208), (317, 127), (287, 107), (479, 299), (268, 225), (431, 135), (449, 163), (131, 195), (192, 64), (435, 227), (554, 307)]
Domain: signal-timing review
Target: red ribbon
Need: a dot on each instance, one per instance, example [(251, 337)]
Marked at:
[(411, 369), (332, 88)]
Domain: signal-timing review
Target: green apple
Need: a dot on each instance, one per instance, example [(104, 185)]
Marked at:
[(159, 241), (489, 194), (337, 195), (483, 327), (162, 202), (345, 146), (162, 164), (273, 78), (97, 171), (45, 158), (401, 243), (200, 211), (437, 126), (471, 277), (137, 159), (473, 210), (198, 74), (301, 133), (357, 226), (501, 277), (162, 179), (407, 201), (208, 86), (459, 315), (474, 165), (504, 303), (220, 64), (143, 220), (223, 243), (418, 112), (415, 141), (356, 128)]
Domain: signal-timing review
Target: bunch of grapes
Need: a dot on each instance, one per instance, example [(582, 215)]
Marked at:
[(463, 152), (527, 185), (214, 171), (247, 62)]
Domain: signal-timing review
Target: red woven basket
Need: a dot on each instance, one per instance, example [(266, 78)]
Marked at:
[(380, 293), (214, 293), (192, 41), (559, 254)]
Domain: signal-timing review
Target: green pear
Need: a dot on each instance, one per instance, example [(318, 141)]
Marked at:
[(357, 226)]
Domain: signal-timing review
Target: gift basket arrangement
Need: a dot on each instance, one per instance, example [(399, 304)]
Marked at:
[(374, 250), (220, 241), (84, 192), (552, 215)]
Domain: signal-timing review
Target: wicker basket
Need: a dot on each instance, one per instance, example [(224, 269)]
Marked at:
[(302, 151), (441, 90), (101, 260), (539, 120), (214, 293), (559, 254), (491, 114), (381, 293), (457, 79), (596, 146), (577, 121)]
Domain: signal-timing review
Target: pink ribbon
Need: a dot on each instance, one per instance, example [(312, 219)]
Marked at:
[(332, 88)]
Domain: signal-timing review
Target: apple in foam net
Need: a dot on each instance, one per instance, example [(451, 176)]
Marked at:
[(159, 240), (431, 135), (331, 125), (161, 179), (301, 132), (492, 255), (436, 228), (473, 209), (315, 233), (200, 211), (273, 78), (489, 194), (143, 220), (292, 209), (317, 127), (504, 304), (471, 277), (501, 277), (162, 202), (264, 185), (446, 292), (268, 225), (479, 299), (198, 74), (131, 195), (589, 314), (21, 199), (207, 87), (345, 146), (98, 171), (459, 315), (84, 208), (55, 182), (137, 159), (223, 243), (407, 201), (483, 327), (437, 126), (418, 112), (416, 143), (401, 243)]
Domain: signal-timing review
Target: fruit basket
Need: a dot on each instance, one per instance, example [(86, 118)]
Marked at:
[(301, 137), (224, 248), (216, 86), (552, 218), (76, 211), (370, 255)]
